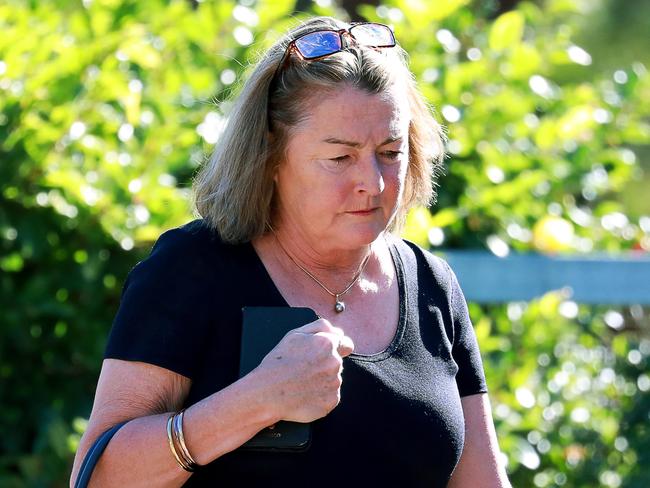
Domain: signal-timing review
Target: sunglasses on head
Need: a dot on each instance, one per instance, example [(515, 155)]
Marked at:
[(325, 42)]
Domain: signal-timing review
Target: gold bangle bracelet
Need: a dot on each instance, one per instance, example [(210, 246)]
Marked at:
[(177, 425), (172, 447)]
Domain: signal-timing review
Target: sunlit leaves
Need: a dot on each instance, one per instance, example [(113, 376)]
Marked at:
[(418, 222), (524, 61), (506, 31), (564, 388), (423, 10)]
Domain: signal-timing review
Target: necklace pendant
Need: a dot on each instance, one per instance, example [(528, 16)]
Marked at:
[(339, 306)]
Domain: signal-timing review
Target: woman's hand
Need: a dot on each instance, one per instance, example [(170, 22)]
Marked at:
[(303, 372)]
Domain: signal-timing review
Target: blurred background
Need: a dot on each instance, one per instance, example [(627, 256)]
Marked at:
[(107, 108)]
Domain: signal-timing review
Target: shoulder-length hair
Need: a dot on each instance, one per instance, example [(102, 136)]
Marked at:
[(234, 190)]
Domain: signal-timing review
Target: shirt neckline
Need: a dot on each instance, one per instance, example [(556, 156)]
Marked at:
[(402, 292), (401, 321)]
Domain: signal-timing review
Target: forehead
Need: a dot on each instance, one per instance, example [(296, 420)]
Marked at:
[(351, 113)]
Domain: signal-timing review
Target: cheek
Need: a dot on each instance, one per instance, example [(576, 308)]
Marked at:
[(332, 193), (395, 176), (310, 198)]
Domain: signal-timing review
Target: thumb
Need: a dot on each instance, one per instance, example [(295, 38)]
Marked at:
[(346, 346)]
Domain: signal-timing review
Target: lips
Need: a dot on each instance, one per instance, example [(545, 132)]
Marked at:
[(363, 212)]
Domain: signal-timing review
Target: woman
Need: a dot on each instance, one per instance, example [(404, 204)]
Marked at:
[(327, 148)]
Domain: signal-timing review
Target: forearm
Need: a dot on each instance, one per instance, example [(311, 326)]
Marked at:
[(139, 454), (227, 419)]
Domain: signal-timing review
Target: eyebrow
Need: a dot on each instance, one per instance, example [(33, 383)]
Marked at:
[(334, 140)]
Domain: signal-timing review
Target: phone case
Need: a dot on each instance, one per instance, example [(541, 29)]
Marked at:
[(262, 329)]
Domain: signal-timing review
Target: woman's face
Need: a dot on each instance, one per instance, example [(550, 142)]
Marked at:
[(343, 174)]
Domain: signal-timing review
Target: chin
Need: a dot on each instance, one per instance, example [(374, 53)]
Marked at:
[(363, 235)]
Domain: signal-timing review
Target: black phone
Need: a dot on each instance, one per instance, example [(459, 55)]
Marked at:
[(262, 329)]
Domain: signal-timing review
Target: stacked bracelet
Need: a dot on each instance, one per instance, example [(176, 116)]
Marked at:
[(177, 442)]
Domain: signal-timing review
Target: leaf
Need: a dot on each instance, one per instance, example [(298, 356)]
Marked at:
[(418, 223), (421, 12), (444, 217), (577, 123), (12, 263), (507, 31), (525, 61)]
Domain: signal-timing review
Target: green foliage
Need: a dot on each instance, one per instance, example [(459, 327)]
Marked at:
[(569, 394), (106, 110)]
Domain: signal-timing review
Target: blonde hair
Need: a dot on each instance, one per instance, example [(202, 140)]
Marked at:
[(234, 190)]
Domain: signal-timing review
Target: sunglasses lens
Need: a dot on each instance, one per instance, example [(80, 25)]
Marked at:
[(318, 44), (373, 35)]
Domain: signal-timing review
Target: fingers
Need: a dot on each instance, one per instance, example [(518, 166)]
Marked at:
[(341, 343), (346, 346), (311, 369), (320, 325), (323, 327)]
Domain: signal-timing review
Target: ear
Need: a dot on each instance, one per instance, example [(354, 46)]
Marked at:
[(276, 173)]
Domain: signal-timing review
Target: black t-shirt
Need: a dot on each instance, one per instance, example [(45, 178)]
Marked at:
[(400, 420)]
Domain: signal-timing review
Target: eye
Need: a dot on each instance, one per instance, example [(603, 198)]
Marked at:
[(338, 163), (391, 155), (340, 159)]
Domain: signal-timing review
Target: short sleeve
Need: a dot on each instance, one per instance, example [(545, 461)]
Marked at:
[(470, 377), (162, 318)]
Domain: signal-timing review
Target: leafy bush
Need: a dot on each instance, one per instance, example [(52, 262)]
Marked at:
[(106, 110)]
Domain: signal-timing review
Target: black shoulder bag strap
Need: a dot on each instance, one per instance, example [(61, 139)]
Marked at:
[(92, 456)]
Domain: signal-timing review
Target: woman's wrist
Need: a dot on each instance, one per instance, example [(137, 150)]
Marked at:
[(225, 420), (260, 384)]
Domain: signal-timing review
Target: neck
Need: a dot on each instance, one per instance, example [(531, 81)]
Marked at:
[(313, 256), (336, 293), (361, 277)]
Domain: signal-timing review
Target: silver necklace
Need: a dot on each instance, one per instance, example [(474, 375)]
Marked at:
[(339, 305)]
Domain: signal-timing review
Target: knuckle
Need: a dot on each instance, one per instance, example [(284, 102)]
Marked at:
[(322, 341), (338, 331), (333, 384), (292, 337), (333, 371), (327, 326), (330, 367), (332, 403), (325, 323)]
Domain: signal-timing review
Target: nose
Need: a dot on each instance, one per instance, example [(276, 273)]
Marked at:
[(370, 177)]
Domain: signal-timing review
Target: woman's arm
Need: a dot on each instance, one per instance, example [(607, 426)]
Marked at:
[(299, 380), (139, 454), (479, 466)]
